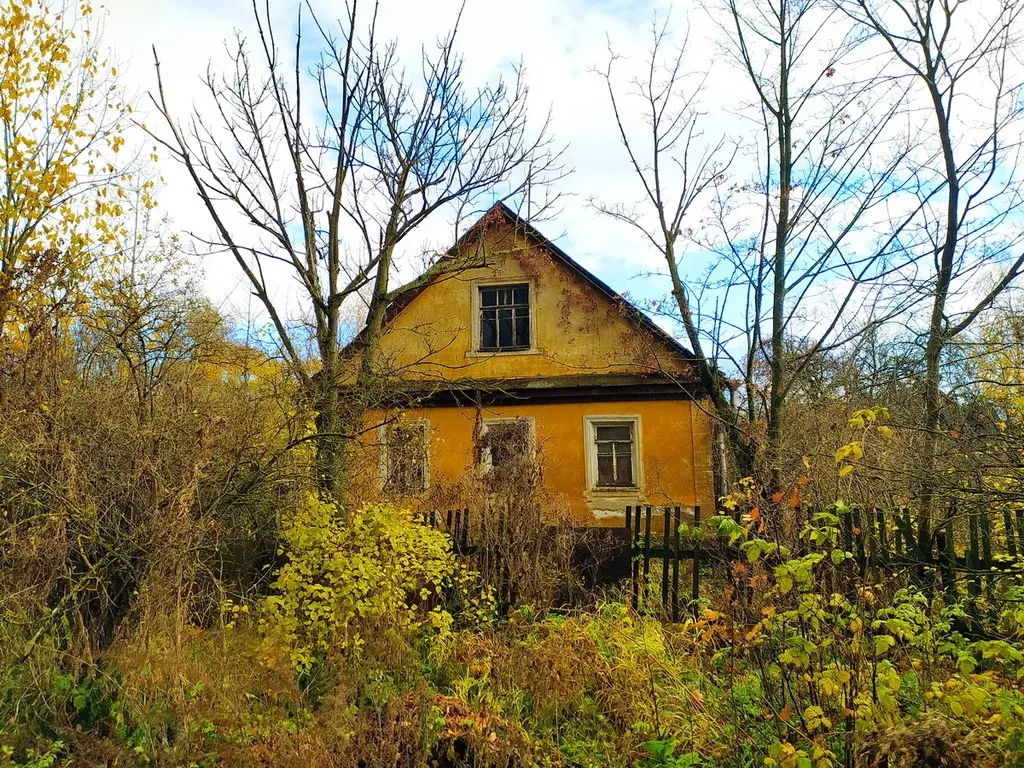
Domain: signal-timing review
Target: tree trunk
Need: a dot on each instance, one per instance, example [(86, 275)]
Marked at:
[(740, 460), (331, 445), (776, 399), (937, 333)]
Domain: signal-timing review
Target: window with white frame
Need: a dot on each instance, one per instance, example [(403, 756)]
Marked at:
[(504, 317), (613, 449), (405, 465)]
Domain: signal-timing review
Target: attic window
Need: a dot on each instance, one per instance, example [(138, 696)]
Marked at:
[(504, 318)]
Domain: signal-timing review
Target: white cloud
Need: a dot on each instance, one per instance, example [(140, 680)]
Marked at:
[(557, 41)]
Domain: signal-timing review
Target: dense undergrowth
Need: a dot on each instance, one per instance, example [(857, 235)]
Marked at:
[(377, 648)]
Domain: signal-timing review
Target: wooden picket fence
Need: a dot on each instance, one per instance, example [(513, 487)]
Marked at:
[(884, 545), (455, 523), (492, 560), (666, 549), (638, 548)]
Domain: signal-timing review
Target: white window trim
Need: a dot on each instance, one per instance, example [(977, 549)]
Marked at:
[(590, 424), (385, 442), (474, 287), (485, 456)]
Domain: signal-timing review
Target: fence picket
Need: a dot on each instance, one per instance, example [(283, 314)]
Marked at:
[(696, 555), (986, 554), (634, 549), (948, 550), (665, 561), (1011, 543), (675, 564), (647, 549), (883, 538)]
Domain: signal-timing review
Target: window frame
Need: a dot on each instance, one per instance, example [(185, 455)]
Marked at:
[(485, 457), (590, 425), (476, 341), (385, 453)]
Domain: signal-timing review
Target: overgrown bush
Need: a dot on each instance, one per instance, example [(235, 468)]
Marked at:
[(349, 577), (841, 665)]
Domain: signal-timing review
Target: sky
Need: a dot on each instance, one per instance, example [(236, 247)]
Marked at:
[(559, 41)]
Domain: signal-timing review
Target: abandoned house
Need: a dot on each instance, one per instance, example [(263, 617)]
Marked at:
[(510, 355)]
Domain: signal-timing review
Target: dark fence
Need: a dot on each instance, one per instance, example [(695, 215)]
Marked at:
[(455, 523), (604, 556), (666, 549), (500, 545), (885, 544)]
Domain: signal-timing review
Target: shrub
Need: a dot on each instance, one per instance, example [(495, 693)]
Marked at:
[(376, 572)]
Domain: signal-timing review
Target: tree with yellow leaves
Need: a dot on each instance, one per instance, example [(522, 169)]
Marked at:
[(63, 180), (999, 374)]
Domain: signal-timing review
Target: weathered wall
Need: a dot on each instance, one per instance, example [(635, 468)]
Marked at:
[(675, 453), (576, 329)]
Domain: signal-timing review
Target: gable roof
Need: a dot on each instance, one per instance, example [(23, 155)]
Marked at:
[(501, 212)]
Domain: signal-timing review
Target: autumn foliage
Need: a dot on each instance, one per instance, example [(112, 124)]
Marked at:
[(178, 585)]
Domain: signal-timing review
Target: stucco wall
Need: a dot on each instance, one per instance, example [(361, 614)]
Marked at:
[(672, 434), (576, 329)]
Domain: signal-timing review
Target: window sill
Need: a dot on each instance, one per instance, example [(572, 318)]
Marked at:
[(623, 491), (503, 353)]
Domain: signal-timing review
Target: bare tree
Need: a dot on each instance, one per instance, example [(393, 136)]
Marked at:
[(673, 120), (326, 173), (963, 64), (787, 251)]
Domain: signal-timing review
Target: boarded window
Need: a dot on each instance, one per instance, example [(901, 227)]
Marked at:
[(614, 454), (504, 318), (406, 458)]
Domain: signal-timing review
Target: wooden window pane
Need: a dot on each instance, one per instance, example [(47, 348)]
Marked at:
[(623, 464), (507, 441), (505, 317), (614, 446), (406, 458), (506, 450), (489, 329), (505, 328), (615, 433), (522, 330)]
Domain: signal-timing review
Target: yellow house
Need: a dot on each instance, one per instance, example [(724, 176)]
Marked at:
[(511, 352)]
